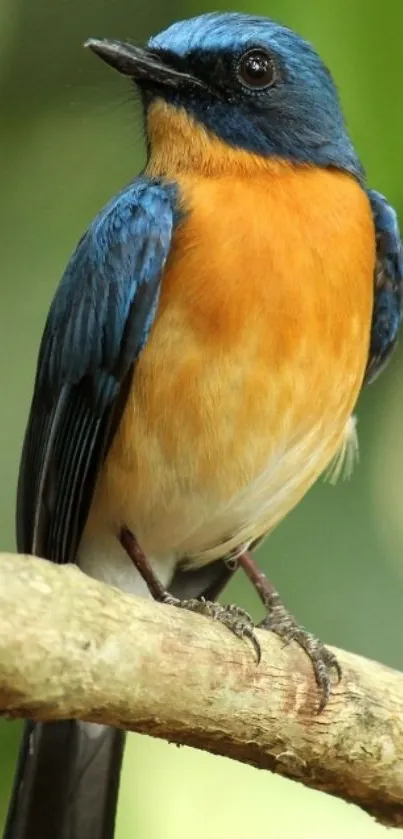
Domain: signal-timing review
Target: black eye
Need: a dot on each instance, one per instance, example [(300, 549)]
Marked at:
[(256, 69)]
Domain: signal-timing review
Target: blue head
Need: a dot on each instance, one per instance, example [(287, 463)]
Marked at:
[(252, 83)]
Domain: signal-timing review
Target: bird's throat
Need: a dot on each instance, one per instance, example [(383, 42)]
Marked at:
[(179, 144)]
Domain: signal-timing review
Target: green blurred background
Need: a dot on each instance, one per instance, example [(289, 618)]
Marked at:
[(70, 137)]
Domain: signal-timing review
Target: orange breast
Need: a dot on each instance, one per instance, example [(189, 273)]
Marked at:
[(254, 364)]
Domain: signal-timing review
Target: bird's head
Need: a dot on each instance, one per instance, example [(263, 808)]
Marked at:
[(230, 83)]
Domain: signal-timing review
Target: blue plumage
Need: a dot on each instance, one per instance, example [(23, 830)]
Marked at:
[(387, 312), (298, 118), (118, 262), (97, 325)]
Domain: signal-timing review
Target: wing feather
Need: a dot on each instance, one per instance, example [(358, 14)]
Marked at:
[(97, 325), (388, 285)]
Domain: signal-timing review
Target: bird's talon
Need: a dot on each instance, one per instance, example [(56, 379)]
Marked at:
[(232, 616), (250, 633), (168, 599), (323, 660)]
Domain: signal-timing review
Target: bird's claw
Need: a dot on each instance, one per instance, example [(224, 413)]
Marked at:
[(233, 617), (324, 661)]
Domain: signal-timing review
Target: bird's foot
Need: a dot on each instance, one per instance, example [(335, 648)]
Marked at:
[(324, 662), (233, 617), (279, 621)]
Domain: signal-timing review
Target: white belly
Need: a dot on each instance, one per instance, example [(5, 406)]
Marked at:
[(195, 532)]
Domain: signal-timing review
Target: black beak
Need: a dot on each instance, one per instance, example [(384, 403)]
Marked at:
[(142, 65)]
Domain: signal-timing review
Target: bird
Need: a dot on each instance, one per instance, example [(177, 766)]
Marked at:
[(202, 358)]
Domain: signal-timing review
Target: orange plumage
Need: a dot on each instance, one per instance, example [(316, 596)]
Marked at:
[(245, 390)]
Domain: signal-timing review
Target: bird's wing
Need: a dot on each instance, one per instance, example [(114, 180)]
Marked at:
[(388, 285), (97, 326)]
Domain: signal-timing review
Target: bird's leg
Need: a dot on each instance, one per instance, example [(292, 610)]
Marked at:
[(279, 621), (233, 617), (140, 561)]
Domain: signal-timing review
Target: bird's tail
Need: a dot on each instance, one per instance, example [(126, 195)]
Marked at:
[(67, 782)]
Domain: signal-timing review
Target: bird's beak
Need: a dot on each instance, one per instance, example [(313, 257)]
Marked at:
[(142, 65)]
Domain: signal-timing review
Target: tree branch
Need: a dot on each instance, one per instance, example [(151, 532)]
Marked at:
[(73, 647)]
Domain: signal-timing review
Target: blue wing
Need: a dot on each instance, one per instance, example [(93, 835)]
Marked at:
[(97, 325), (387, 311)]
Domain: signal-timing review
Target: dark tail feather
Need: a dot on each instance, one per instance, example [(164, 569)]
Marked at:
[(67, 782)]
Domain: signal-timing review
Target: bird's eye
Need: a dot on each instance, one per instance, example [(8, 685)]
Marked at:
[(256, 69)]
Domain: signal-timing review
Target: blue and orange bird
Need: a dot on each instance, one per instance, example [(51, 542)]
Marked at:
[(202, 357)]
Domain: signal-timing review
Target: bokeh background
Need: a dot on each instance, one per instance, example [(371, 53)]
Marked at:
[(70, 136)]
